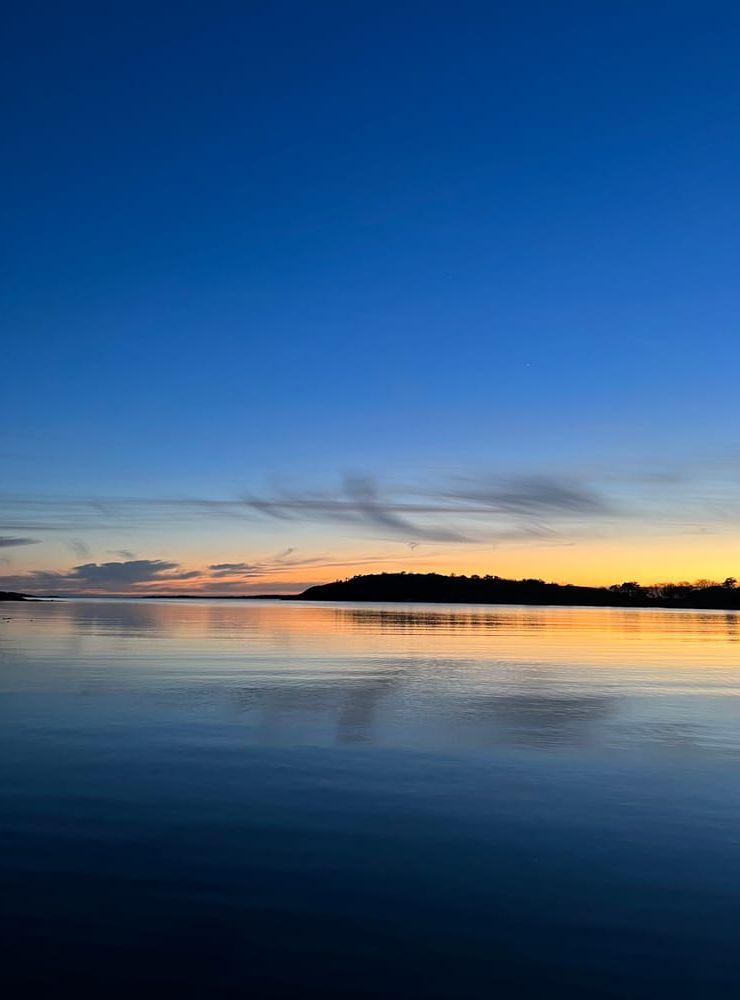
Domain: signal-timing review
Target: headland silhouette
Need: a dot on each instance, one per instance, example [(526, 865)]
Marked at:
[(453, 589)]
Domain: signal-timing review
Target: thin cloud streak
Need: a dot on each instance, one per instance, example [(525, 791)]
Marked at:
[(459, 510), (11, 542), (268, 567), (530, 495), (526, 500), (78, 547)]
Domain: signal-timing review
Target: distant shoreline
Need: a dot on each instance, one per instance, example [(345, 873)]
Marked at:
[(435, 588)]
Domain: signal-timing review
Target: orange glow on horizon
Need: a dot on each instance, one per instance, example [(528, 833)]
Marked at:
[(590, 563)]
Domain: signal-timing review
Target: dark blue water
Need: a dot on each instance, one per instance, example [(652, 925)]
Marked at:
[(235, 799)]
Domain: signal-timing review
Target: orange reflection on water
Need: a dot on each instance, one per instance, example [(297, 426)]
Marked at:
[(442, 677), (622, 638)]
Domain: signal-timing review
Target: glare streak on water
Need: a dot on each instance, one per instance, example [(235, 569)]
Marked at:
[(386, 800)]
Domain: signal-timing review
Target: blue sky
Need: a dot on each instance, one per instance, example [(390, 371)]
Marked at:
[(254, 249)]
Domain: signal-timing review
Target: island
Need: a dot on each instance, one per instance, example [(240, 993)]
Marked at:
[(453, 589)]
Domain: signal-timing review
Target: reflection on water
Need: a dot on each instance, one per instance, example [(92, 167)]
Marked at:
[(220, 796), (399, 676)]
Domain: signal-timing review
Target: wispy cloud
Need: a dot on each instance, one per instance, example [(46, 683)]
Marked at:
[(240, 569), (282, 563), (463, 511), (484, 508), (78, 547), (460, 511), (21, 512), (11, 541), (525, 496)]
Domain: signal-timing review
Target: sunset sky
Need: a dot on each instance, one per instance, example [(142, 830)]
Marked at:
[(294, 291)]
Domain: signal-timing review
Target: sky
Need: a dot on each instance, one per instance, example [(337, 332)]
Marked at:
[(293, 291)]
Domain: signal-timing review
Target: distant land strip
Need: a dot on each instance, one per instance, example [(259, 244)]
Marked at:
[(436, 588)]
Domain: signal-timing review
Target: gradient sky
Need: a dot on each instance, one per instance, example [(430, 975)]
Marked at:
[(298, 290)]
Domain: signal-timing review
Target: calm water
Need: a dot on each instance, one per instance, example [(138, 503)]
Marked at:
[(265, 799)]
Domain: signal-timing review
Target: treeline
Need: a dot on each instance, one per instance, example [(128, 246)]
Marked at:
[(436, 587)]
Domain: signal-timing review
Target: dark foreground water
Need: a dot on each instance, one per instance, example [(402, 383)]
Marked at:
[(264, 799)]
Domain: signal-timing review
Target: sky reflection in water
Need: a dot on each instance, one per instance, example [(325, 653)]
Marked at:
[(377, 800)]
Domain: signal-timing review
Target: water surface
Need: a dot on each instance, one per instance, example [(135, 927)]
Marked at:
[(275, 799)]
